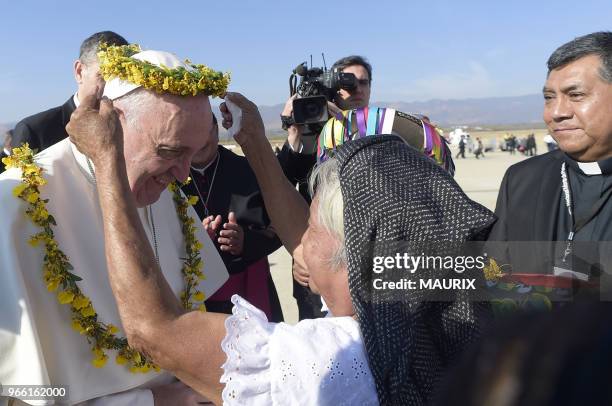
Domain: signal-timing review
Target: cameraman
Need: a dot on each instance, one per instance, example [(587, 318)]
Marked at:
[(298, 156)]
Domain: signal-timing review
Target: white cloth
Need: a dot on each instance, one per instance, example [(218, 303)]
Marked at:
[(236, 113), (315, 362), (37, 344)]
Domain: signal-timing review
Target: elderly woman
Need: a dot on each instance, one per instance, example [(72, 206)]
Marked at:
[(376, 349)]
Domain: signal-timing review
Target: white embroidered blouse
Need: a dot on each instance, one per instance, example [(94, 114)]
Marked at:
[(315, 362)]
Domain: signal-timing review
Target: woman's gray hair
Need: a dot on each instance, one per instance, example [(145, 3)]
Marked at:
[(325, 180)]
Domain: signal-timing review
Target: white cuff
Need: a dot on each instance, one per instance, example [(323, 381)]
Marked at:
[(246, 372)]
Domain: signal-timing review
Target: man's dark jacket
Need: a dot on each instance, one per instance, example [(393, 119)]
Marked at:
[(528, 210), (44, 129)]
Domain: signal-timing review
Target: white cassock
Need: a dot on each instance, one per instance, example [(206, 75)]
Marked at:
[(37, 344)]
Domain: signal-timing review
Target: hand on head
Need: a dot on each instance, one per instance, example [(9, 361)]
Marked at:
[(251, 125), (95, 130)]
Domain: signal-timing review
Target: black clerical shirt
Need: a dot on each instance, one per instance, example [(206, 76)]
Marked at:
[(586, 189), (588, 251)]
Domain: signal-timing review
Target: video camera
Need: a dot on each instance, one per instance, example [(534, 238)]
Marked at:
[(317, 86)]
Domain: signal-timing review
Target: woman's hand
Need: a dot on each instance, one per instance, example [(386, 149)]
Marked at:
[(95, 130)]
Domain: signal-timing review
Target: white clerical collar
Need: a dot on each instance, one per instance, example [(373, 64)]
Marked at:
[(202, 170), (602, 167), (589, 168), (7, 152), (75, 99)]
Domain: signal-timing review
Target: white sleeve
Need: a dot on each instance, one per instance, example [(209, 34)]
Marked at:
[(320, 361)]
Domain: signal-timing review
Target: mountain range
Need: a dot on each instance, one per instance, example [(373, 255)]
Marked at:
[(483, 112)]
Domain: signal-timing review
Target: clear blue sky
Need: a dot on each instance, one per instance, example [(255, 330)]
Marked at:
[(419, 51)]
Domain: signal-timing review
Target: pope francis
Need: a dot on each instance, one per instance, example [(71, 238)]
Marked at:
[(165, 116)]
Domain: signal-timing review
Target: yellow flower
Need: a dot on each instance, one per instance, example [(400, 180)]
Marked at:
[(34, 240), (52, 285), (39, 214), (120, 359), (31, 169), (136, 358), (18, 190), (80, 302), (76, 325), (112, 329), (9, 162), (88, 311), (99, 362), (192, 200), (197, 245), (199, 296), (65, 297), (32, 197), (37, 180)]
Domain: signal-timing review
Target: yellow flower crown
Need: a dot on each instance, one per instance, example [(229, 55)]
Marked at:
[(117, 61)]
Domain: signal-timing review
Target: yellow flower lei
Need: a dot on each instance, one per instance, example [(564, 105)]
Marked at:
[(117, 61), (56, 267)]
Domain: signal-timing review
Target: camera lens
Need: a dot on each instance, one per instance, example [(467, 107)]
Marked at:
[(312, 110)]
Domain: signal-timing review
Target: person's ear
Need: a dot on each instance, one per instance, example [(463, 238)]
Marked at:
[(78, 71)]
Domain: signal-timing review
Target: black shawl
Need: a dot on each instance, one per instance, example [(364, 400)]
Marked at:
[(392, 192)]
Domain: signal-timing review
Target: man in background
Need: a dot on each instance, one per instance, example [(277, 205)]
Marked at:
[(48, 127), (297, 160), (565, 195), (232, 209)]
